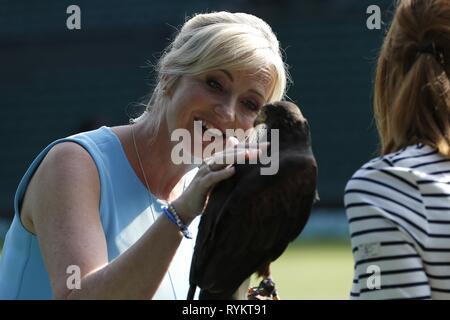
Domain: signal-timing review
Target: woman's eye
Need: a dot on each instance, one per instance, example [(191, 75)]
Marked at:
[(214, 84), (251, 105)]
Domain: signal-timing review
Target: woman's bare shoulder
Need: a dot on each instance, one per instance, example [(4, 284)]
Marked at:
[(66, 175)]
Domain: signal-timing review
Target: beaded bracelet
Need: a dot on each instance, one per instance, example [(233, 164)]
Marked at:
[(173, 217)]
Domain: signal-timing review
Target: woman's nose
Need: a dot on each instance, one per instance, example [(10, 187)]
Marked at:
[(226, 112)]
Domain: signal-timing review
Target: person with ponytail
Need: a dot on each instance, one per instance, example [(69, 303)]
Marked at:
[(398, 205)]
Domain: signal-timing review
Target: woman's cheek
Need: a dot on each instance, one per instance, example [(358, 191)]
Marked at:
[(247, 121)]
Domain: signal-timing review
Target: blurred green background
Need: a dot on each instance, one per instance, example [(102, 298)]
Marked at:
[(314, 270)]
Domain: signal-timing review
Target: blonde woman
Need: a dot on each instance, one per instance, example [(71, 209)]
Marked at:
[(398, 205), (89, 206)]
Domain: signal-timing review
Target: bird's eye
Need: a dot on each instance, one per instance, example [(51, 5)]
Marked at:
[(212, 83)]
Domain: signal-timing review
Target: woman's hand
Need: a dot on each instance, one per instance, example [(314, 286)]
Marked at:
[(213, 170)]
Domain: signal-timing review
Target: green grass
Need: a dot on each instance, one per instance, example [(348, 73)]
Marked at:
[(314, 270)]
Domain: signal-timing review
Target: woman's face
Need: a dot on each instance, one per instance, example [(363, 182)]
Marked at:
[(220, 99)]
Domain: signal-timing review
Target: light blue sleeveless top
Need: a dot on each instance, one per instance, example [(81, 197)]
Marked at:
[(125, 215)]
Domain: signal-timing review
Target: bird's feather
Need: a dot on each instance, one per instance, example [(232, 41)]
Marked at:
[(250, 218)]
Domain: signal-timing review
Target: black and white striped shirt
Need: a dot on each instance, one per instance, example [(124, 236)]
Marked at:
[(398, 209)]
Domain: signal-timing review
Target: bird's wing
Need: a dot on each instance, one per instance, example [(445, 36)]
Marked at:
[(254, 223)]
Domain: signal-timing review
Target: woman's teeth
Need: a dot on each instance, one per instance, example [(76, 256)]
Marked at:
[(210, 130), (214, 132)]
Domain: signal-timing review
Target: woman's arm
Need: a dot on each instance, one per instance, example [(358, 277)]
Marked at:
[(64, 197), (388, 264)]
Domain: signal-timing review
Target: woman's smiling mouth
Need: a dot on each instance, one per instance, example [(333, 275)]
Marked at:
[(209, 129)]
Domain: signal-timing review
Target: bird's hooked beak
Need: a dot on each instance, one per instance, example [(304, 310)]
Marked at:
[(260, 118), (259, 126)]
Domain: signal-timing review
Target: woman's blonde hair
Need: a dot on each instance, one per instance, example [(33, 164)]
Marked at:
[(233, 41), (412, 87)]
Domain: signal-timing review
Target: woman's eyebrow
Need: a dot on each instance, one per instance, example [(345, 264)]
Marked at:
[(228, 74), (257, 93)]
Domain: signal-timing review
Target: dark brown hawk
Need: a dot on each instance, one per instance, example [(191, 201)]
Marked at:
[(250, 218)]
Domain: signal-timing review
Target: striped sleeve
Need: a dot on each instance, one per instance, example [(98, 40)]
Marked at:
[(387, 265)]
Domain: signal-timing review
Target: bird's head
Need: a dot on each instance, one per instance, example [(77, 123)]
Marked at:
[(285, 116)]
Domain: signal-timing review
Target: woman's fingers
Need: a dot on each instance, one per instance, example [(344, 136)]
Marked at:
[(235, 153), (231, 142), (230, 156), (234, 143), (214, 177), (213, 164), (252, 145), (221, 160), (240, 155)]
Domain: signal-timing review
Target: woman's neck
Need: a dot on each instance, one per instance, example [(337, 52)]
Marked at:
[(163, 176)]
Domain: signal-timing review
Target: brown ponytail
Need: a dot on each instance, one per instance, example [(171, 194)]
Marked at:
[(412, 87)]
